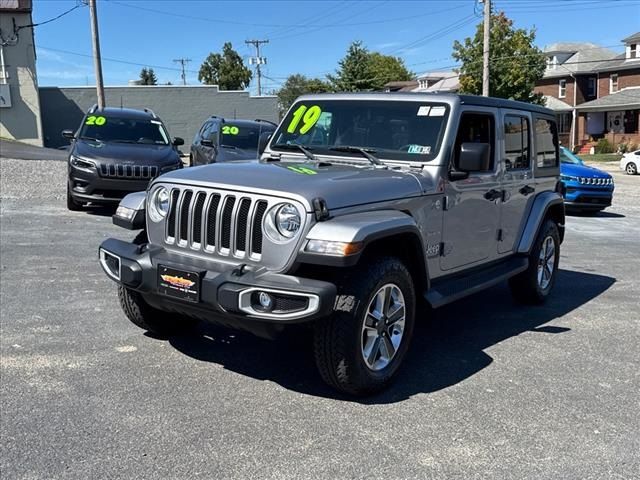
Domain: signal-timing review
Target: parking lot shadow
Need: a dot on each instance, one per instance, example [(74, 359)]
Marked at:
[(448, 345)]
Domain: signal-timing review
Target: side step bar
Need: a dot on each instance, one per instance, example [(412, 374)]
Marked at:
[(451, 289)]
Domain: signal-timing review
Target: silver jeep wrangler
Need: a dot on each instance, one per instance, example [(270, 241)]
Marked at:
[(361, 207)]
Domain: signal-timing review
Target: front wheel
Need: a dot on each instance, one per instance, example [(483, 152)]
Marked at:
[(360, 348), (71, 203), (534, 285)]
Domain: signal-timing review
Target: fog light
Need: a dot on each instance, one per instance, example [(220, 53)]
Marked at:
[(111, 264)]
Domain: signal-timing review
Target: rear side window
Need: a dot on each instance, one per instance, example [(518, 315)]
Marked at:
[(546, 143), (516, 142)]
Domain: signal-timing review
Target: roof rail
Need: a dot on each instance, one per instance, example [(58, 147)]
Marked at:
[(266, 121), (93, 108), (153, 114)]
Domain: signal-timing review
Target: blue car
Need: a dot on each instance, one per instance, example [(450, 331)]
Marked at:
[(585, 188)]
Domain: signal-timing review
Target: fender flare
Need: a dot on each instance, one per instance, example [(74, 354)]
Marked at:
[(134, 201), (539, 211)]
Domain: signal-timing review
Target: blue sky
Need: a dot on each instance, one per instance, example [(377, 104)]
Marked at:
[(307, 37)]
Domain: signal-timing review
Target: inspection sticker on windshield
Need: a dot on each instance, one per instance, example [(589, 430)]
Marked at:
[(437, 111), (419, 149), (423, 111)]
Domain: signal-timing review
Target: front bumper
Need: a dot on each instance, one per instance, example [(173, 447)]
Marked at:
[(86, 185), (581, 197), (226, 292)]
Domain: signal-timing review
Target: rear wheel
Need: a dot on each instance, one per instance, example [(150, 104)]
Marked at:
[(72, 204), (631, 168), (361, 346), (534, 285)]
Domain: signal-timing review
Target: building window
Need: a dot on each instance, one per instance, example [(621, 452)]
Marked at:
[(613, 83), (552, 62), (633, 50), (422, 83), (562, 88), (564, 122), (591, 87)]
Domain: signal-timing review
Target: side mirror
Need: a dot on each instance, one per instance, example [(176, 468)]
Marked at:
[(68, 134), (474, 157), (177, 141), (263, 141), (205, 142)]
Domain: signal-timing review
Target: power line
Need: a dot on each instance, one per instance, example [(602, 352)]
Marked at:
[(258, 60), (183, 63), (51, 19)]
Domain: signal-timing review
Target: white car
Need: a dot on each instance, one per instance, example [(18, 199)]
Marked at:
[(629, 162)]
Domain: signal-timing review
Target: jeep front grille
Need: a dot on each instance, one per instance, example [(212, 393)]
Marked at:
[(224, 223), (136, 172), (595, 181)]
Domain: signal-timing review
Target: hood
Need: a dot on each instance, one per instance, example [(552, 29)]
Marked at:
[(575, 170), (231, 154), (144, 154), (339, 185)]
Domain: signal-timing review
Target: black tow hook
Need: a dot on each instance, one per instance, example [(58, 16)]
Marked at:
[(238, 272)]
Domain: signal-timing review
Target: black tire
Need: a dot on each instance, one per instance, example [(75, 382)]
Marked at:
[(338, 340), (526, 287), (71, 203), (143, 315)]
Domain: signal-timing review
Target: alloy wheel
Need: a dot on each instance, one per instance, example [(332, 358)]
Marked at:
[(546, 262)]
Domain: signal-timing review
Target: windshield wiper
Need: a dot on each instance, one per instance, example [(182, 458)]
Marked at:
[(366, 152), (223, 145), (92, 139), (295, 146), (124, 141)]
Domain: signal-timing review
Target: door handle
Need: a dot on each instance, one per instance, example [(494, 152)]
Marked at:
[(493, 194), (526, 190)]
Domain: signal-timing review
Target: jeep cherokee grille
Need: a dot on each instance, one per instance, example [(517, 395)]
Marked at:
[(224, 223), (136, 172)]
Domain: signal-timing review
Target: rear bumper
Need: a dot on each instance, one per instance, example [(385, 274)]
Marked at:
[(226, 294)]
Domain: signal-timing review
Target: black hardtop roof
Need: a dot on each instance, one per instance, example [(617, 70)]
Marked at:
[(435, 96), (242, 121), (131, 113)]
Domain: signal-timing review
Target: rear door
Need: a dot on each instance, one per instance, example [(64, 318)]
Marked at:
[(517, 182)]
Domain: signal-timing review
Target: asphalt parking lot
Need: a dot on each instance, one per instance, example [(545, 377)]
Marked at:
[(490, 389)]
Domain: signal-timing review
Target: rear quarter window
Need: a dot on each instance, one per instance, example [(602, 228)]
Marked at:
[(547, 153)]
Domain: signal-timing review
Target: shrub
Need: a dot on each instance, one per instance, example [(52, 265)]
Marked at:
[(603, 146)]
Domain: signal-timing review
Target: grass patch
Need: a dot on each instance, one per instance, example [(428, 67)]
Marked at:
[(601, 157)]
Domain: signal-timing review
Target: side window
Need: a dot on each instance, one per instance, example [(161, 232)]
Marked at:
[(476, 128), (546, 143), (516, 142)]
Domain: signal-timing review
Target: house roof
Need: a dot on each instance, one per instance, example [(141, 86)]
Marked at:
[(556, 105), (625, 99), (401, 86), (620, 62), (583, 58), (436, 75), (632, 38)]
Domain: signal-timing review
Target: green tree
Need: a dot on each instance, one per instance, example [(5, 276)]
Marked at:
[(148, 77), (515, 62), (296, 85), (225, 70), (361, 69)]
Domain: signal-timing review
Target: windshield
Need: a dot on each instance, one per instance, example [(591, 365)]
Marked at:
[(242, 136), (124, 130), (395, 130), (567, 157)]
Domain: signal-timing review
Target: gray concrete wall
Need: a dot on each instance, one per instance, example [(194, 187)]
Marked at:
[(20, 121), (183, 109)]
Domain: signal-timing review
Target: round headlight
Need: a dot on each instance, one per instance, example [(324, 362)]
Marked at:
[(159, 205), (288, 220)]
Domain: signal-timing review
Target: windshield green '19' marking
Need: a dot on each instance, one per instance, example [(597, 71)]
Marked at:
[(302, 170), (230, 130), (309, 117), (94, 120)]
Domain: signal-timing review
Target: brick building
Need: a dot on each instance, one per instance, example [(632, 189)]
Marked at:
[(594, 91)]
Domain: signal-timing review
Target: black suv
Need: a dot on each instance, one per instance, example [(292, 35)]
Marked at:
[(117, 151), (220, 140)]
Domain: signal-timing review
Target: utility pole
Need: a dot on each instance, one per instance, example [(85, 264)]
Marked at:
[(183, 62), (257, 60), (97, 61), (485, 48)]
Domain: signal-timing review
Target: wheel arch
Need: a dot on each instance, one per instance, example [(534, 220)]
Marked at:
[(547, 205)]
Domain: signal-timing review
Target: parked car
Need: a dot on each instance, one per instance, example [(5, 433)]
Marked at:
[(410, 197), (221, 140), (585, 188), (116, 151), (629, 162)]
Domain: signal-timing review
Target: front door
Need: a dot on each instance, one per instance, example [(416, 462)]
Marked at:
[(517, 178), (471, 217)]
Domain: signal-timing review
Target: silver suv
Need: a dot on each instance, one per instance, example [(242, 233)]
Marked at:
[(362, 207)]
